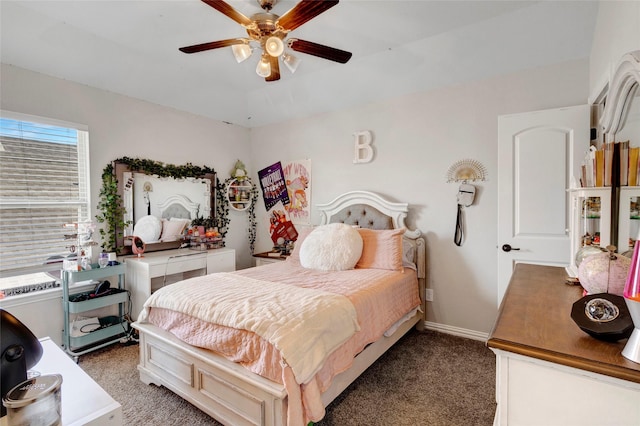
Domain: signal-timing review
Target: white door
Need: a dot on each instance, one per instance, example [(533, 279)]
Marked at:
[(538, 153)]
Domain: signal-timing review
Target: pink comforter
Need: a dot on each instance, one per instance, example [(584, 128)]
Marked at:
[(380, 297)]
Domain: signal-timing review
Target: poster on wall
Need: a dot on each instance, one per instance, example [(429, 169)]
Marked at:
[(281, 228), (297, 175), (273, 186)]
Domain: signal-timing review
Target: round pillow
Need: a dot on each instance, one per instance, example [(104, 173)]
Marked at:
[(148, 228), (332, 247)]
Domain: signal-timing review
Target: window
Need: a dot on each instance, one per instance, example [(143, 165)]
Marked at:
[(44, 184)]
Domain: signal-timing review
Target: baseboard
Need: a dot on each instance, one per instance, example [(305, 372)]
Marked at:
[(457, 331)]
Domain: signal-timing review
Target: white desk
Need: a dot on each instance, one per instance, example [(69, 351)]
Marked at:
[(84, 402), (157, 269)]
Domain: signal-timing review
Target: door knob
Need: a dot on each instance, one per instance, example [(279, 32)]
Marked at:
[(507, 248)]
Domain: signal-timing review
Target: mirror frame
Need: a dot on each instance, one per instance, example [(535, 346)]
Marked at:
[(150, 167), (622, 89)]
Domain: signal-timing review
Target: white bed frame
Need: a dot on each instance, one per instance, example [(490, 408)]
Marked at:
[(235, 396)]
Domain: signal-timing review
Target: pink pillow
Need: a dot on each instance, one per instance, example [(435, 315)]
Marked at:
[(302, 234), (382, 249), (172, 229)]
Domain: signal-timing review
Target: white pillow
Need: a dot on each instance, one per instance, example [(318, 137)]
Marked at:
[(332, 247), (148, 228)]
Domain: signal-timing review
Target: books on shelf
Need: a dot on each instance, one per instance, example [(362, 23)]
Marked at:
[(613, 164)]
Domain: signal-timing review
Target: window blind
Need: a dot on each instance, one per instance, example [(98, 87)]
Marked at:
[(44, 183)]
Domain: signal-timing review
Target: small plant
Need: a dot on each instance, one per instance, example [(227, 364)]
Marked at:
[(112, 211)]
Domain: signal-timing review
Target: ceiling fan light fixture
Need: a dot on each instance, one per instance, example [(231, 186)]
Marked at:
[(241, 52), (274, 46), (264, 67), (291, 62)]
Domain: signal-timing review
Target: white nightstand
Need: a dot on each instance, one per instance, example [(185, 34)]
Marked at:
[(84, 402), (268, 257)]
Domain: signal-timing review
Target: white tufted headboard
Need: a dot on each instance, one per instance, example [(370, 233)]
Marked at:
[(178, 206), (369, 210)]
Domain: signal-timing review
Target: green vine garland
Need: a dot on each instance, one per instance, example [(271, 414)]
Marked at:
[(112, 210)]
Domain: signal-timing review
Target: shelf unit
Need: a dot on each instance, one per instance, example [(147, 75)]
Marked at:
[(590, 216), (612, 215), (239, 194), (104, 336), (628, 217)]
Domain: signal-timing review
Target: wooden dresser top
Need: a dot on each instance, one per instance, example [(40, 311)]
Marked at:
[(535, 320)]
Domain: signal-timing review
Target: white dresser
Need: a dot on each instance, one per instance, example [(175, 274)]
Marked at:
[(548, 371), (154, 270)]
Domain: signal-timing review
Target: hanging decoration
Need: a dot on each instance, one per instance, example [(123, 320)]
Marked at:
[(251, 210), (466, 170)]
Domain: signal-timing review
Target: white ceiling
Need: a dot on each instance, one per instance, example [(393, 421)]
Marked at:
[(399, 47)]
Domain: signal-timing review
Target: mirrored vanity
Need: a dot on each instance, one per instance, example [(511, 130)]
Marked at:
[(159, 203)]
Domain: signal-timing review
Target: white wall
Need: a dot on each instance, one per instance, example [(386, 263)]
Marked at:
[(617, 32), (120, 126), (417, 138)]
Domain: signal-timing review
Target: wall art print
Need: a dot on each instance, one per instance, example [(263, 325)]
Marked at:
[(297, 175), (273, 186)]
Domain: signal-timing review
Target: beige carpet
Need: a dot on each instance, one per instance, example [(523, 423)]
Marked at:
[(427, 379)]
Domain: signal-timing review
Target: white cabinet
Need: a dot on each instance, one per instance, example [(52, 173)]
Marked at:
[(590, 217), (157, 269), (610, 220), (268, 257), (534, 392), (628, 217)]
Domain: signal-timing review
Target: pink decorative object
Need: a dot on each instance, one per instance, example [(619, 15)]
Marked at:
[(604, 273), (138, 246), (631, 350)]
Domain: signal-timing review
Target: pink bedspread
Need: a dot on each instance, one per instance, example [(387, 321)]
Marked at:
[(380, 297)]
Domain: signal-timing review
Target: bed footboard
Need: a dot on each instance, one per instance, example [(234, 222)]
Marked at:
[(226, 391)]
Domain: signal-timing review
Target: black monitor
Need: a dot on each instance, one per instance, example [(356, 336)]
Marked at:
[(21, 350)]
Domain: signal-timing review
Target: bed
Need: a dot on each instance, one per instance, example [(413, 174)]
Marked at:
[(287, 392)]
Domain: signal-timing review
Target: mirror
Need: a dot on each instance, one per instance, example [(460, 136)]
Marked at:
[(166, 194), (630, 123), (621, 106)]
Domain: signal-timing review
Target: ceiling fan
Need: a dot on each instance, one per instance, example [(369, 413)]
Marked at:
[(269, 31)]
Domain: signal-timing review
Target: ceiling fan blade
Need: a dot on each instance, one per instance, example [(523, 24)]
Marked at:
[(319, 50), (303, 12), (229, 11), (211, 45), (275, 69)]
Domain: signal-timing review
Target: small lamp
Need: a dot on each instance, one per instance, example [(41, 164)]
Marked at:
[(274, 46), (291, 62), (631, 350), (264, 67), (241, 52)]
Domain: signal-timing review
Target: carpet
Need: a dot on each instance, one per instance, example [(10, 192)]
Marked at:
[(427, 378)]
